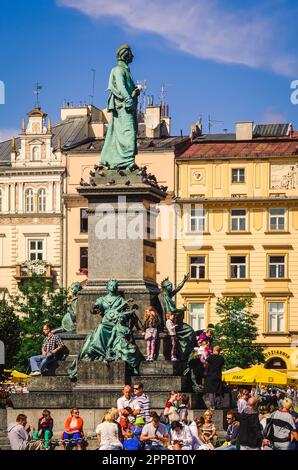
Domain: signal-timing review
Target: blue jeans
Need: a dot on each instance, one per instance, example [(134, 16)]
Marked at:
[(38, 363)]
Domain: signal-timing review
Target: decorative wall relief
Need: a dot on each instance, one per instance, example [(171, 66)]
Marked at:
[(284, 176)]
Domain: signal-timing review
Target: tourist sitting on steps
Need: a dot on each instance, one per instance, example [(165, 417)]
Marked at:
[(45, 428), (73, 429), (108, 434), (180, 435), (20, 437), (154, 434), (51, 346), (126, 405)]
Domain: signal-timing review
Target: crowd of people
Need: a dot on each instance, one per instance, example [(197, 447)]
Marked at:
[(263, 420)]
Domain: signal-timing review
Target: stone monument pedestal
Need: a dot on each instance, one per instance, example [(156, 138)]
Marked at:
[(121, 241)]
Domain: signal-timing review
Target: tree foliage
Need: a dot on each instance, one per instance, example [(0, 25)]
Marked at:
[(10, 329), (38, 302), (236, 332)]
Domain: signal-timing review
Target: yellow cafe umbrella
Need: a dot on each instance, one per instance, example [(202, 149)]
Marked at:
[(255, 374)]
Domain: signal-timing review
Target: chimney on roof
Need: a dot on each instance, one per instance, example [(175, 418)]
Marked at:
[(157, 121), (244, 130)]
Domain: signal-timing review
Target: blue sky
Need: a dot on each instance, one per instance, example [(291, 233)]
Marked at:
[(230, 59)]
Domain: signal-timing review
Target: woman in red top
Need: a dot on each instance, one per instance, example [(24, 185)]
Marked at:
[(73, 428)]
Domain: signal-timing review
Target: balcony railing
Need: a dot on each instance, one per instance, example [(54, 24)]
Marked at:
[(26, 270)]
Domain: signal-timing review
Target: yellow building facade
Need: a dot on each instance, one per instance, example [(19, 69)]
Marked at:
[(237, 231)]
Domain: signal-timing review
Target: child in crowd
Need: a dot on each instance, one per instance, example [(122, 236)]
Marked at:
[(184, 407), (171, 327), (150, 327), (203, 350), (137, 427), (45, 428), (131, 442)]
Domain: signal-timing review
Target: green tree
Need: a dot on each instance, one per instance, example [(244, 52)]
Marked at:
[(236, 332), (10, 330), (38, 302)]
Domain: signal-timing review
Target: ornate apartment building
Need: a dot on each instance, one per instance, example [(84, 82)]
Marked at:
[(238, 226), (31, 180)]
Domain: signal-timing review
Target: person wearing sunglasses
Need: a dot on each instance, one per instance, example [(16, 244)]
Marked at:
[(73, 428), (232, 432), (141, 402)]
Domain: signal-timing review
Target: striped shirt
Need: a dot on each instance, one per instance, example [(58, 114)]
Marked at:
[(142, 403)]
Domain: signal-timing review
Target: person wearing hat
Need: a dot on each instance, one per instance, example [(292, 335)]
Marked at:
[(138, 427), (120, 147)]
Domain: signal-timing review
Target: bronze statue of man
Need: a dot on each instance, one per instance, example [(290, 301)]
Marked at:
[(120, 147)]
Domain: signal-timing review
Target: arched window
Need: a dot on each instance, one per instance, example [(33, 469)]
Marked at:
[(35, 154), (42, 200), (0, 200), (29, 200), (276, 363)]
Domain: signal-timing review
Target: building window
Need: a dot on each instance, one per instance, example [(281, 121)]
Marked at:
[(35, 154), (238, 220), (197, 316), (277, 219), (197, 219), (238, 267), (238, 175), (36, 250), (276, 316), (29, 200), (83, 258), (277, 267), (42, 200), (84, 221), (1, 199), (197, 267)]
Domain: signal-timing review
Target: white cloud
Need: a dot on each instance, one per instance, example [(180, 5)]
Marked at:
[(9, 133), (203, 28)]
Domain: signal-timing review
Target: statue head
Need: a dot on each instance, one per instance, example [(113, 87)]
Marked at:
[(75, 287), (124, 53), (167, 285), (112, 286)]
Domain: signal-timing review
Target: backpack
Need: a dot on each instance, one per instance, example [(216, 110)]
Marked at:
[(163, 418)]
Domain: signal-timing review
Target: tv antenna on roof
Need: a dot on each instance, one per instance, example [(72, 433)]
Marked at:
[(93, 85), (211, 122), (142, 100), (162, 96), (37, 92)]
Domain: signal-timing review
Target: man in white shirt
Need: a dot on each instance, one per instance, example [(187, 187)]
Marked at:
[(125, 402)]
